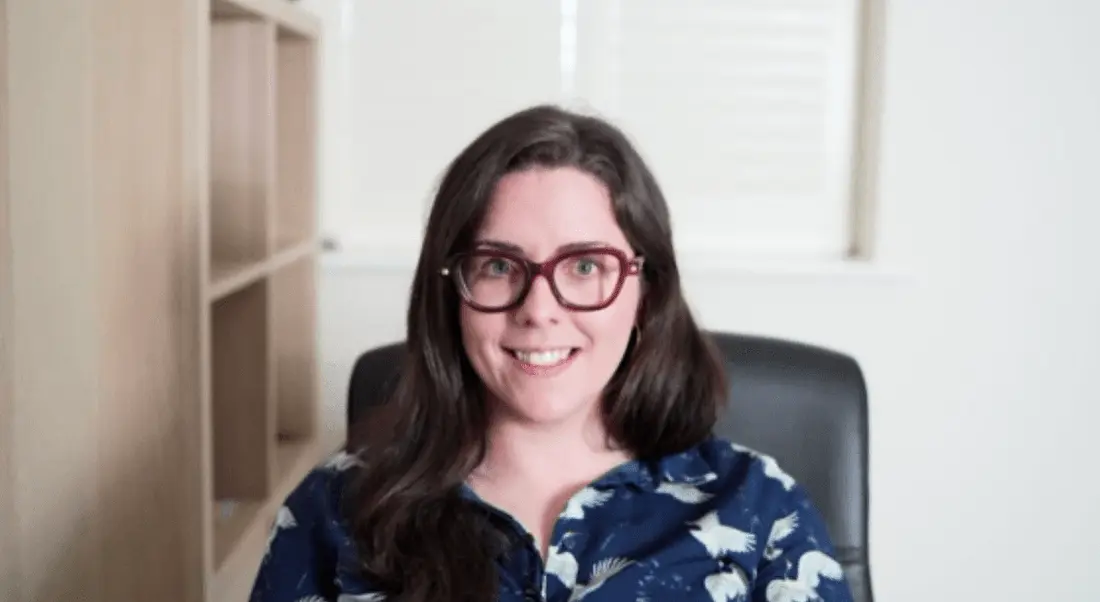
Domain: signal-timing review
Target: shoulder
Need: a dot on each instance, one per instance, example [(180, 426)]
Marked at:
[(744, 471), (734, 481), (318, 495), (753, 483), (314, 505), (308, 538), (791, 542)]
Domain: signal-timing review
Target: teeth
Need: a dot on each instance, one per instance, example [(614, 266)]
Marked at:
[(541, 358)]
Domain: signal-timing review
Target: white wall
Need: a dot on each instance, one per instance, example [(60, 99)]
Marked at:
[(978, 330)]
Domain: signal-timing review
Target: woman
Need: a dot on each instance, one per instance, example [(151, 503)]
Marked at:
[(550, 438)]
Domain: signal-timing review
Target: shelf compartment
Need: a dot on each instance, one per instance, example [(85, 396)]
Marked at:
[(241, 390), (295, 100), (242, 116), (294, 327), (263, 434)]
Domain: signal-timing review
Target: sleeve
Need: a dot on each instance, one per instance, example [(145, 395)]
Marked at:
[(298, 563), (799, 558)]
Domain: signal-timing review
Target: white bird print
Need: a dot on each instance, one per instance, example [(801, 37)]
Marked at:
[(341, 461), (361, 598), (771, 467), (727, 585), (601, 572), (688, 494), (720, 539), (284, 519), (311, 599), (781, 529), (702, 479), (562, 565), (812, 566), (585, 498)]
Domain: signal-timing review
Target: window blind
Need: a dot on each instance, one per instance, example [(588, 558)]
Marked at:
[(743, 108)]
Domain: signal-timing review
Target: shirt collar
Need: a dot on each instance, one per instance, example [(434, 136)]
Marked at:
[(687, 468)]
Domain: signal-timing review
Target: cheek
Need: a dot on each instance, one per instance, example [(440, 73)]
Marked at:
[(610, 329), (480, 335)]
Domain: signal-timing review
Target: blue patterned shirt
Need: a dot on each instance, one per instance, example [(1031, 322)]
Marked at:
[(716, 523)]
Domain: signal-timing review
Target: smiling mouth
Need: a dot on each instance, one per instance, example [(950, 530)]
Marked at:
[(544, 357)]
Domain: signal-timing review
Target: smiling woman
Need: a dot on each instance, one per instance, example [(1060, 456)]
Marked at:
[(550, 438)]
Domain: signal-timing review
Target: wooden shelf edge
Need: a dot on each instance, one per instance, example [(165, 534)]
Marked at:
[(228, 280), (295, 252), (240, 541), (287, 15)]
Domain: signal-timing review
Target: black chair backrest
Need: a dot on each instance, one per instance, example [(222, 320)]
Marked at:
[(804, 405)]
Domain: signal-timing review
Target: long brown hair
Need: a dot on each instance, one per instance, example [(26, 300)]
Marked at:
[(419, 540)]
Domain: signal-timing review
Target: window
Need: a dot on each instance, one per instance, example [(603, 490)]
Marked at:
[(745, 109)]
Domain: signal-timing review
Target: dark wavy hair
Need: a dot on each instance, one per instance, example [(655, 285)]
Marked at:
[(419, 540)]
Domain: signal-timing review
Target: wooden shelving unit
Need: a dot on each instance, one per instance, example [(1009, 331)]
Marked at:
[(260, 292), (159, 392)]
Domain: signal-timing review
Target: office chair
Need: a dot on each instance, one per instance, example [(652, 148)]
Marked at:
[(804, 405)]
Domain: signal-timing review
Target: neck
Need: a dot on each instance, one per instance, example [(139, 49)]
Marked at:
[(569, 454), (531, 470)]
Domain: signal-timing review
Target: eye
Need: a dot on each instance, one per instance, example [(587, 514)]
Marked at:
[(497, 267), (586, 266)]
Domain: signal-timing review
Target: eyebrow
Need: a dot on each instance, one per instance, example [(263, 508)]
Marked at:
[(573, 246)]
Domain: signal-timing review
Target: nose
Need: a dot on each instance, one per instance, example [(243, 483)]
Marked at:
[(540, 307)]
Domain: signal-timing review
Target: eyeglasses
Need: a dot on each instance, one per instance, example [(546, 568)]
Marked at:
[(491, 280)]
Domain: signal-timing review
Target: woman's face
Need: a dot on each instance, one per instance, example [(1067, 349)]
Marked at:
[(541, 362)]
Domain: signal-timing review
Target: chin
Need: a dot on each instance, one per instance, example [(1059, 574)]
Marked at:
[(545, 403), (548, 409)]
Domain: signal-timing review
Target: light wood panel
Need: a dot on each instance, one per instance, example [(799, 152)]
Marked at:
[(138, 370), (192, 311), (103, 304), (54, 301), (8, 550), (137, 111)]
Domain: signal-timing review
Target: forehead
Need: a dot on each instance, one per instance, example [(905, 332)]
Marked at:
[(541, 210)]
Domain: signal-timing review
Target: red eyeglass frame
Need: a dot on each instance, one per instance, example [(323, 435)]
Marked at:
[(630, 266)]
